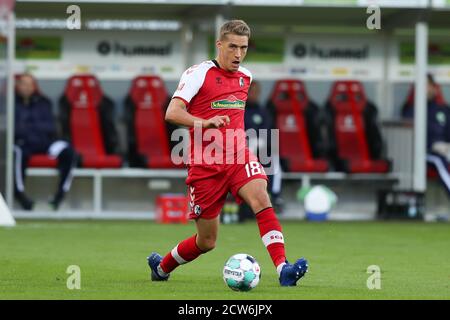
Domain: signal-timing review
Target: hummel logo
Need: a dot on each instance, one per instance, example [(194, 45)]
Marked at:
[(191, 193)]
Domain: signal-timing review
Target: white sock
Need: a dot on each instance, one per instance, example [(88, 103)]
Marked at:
[(161, 272), (279, 267)]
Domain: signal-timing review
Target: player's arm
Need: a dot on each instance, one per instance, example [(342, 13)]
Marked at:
[(177, 114)]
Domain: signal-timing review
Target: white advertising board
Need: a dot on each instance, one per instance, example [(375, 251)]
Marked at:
[(108, 54), (325, 57)]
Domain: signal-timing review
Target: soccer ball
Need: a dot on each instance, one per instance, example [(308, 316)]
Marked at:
[(241, 272)]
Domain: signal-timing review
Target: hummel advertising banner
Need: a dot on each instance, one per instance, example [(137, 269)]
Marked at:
[(109, 55), (125, 54)]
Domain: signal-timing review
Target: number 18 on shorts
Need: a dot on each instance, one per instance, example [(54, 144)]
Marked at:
[(207, 195)]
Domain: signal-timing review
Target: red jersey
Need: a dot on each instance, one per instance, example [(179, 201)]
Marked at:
[(208, 91)]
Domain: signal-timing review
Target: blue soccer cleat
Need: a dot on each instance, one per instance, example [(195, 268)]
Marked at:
[(291, 273), (153, 262)]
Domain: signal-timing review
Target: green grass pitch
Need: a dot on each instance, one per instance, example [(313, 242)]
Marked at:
[(414, 259)]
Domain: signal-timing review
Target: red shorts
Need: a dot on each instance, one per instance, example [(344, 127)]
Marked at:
[(208, 186)]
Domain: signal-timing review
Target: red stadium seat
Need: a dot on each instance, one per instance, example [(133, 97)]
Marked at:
[(348, 101), (290, 100), (42, 161), (39, 160), (148, 97), (84, 94)]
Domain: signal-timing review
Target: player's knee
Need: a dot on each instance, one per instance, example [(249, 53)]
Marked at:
[(260, 201), (207, 244)]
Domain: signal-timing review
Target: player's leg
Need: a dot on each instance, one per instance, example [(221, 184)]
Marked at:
[(21, 157), (189, 249), (441, 164), (207, 231), (66, 163), (275, 186), (206, 206), (254, 193)]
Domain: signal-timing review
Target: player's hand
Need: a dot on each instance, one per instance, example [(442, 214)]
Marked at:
[(216, 122)]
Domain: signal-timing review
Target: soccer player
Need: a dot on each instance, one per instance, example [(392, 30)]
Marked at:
[(211, 96)]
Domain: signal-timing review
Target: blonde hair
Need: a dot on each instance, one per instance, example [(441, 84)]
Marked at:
[(237, 27)]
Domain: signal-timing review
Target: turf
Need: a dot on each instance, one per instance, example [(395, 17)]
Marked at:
[(414, 259)]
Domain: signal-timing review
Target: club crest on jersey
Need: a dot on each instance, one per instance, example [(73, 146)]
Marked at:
[(197, 209), (231, 102), (241, 82)]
